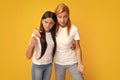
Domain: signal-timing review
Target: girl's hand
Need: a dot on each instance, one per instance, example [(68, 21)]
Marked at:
[(37, 32), (81, 68), (73, 46)]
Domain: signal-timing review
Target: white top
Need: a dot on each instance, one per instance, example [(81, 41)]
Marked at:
[(64, 54), (47, 57)]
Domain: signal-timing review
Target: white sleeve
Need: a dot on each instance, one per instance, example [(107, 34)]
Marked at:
[(76, 34)]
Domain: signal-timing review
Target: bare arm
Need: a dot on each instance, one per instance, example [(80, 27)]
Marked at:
[(31, 48), (79, 57)]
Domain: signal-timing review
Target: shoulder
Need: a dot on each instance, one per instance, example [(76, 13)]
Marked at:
[(74, 27)]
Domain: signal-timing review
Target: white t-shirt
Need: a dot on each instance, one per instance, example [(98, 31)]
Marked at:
[(47, 57), (64, 54)]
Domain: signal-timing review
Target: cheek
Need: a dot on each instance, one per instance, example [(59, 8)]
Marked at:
[(44, 26), (51, 27), (66, 19), (58, 19)]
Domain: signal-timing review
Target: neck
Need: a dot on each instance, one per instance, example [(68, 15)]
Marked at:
[(63, 26)]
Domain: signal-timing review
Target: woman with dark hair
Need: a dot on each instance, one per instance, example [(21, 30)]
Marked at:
[(44, 47)]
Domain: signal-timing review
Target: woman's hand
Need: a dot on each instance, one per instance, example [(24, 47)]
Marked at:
[(37, 32), (81, 68), (73, 46)]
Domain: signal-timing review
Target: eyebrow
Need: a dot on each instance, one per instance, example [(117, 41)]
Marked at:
[(52, 22)]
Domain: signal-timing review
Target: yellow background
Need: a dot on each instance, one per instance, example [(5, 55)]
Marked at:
[(97, 20)]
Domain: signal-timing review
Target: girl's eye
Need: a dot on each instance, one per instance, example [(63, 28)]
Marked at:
[(59, 16), (46, 22), (65, 16), (51, 23)]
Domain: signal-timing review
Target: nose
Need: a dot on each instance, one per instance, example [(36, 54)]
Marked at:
[(62, 19)]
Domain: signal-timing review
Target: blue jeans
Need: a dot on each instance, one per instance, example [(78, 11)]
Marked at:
[(41, 72), (60, 72)]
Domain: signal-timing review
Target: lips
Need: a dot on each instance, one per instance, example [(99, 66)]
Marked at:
[(63, 22)]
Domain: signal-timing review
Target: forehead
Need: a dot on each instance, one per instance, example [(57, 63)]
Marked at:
[(49, 20), (63, 14)]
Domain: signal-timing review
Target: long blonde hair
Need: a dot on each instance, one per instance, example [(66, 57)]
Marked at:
[(60, 9)]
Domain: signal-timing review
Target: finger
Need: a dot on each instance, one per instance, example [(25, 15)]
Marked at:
[(82, 73), (81, 70), (40, 31), (37, 33)]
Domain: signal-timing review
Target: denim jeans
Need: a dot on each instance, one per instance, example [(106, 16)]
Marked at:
[(41, 72), (60, 72)]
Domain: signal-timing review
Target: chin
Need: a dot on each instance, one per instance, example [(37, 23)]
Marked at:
[(63, 25), (47, 30)]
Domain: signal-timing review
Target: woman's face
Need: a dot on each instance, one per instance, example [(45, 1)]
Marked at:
[(63, 18), (48, 23)]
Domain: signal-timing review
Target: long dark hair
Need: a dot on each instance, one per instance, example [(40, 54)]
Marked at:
[(47, 14)]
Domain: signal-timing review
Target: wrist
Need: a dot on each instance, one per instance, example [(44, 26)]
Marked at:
[(32, 45), (80, 64)]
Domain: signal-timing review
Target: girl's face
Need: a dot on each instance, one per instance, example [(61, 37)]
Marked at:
[(48, 23), (63, 18)]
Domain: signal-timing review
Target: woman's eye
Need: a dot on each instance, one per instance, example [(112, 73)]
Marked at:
[(51, 23), (65, 16), (46, 22), (59, 16)]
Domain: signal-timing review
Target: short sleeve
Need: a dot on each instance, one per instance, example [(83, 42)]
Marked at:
[(76, 33)]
